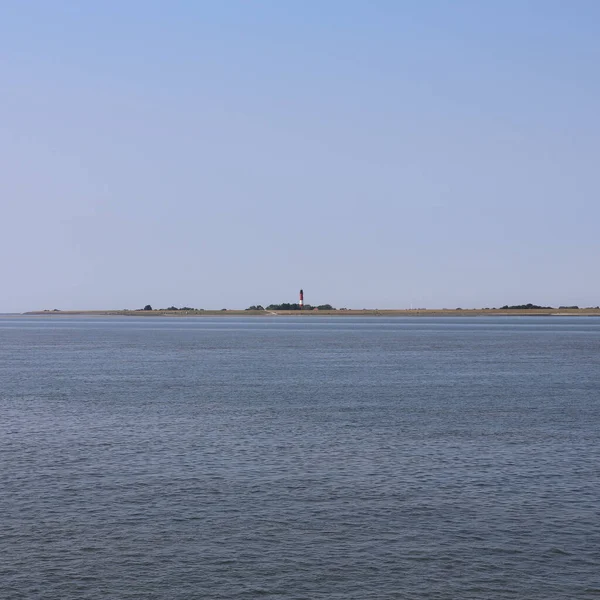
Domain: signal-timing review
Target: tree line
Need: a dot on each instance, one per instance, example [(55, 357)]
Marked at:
[(289, 306), (284, 306)]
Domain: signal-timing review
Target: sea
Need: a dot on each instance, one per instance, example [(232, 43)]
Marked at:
[(299, 458)]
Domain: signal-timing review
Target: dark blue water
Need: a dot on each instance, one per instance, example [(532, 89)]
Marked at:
[(299, 458)]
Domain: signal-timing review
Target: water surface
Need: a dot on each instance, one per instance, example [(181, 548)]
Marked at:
[(299, 458)]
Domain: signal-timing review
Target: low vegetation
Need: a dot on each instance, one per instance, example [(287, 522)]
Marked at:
[(287, 306), (170, 309), (526, 307)]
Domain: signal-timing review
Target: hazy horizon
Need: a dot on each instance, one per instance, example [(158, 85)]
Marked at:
[(220, 155), (311, 308)]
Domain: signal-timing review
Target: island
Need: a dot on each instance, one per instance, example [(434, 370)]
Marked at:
[(326, 310)]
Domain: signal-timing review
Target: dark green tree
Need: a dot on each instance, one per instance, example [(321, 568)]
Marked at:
[(528, 306)]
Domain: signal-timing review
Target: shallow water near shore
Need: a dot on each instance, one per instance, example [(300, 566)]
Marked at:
[(292, 458)]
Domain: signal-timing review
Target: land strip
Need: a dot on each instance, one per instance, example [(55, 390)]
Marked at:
[(583, 312)]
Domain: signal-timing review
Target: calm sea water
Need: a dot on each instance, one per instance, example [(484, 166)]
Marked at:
[(299, 458)]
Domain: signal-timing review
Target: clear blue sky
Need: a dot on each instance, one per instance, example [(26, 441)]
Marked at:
[(375, 153)]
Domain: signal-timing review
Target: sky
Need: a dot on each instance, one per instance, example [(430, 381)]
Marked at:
[(377, 154)]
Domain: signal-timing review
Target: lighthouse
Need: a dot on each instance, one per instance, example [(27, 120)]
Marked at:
[(301, 303)]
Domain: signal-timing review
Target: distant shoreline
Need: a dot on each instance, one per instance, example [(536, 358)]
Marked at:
[(582, 312)]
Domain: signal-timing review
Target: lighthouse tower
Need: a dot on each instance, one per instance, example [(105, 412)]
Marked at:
[(301, 303)]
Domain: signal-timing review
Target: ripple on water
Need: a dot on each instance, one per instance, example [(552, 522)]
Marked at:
[(339, 459)]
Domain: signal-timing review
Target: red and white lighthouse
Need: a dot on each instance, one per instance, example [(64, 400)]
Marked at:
[(301, 303)]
